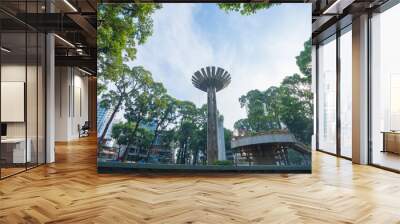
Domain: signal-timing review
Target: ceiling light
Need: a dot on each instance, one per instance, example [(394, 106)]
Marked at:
[(64, 40), (338, 6), (331, 7), (70, 5), (84, 71), (5, 50)]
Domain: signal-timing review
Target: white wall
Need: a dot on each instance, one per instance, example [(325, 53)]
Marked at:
[(33, 126), (13, 100), (62, 81), (17, 73), (81, 100), (12, 73), (71, 102)]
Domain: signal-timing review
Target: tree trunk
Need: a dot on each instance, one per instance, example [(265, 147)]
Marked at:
[(180, 153), (156, 134), (116, 108), (136, 128), (185, 152), (125, 155), (178, 156), (196, 155)]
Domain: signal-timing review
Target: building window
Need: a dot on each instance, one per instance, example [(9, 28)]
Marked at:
[(385, 89), (346, 93), (22, 101), (327, 95)]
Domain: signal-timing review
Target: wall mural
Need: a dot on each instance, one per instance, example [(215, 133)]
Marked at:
[(204, 87)]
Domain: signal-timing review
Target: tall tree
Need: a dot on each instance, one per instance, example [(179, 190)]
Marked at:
[(297, 99), (191, 132), (243, 126), (262, 111), (290, 104), (163, 112), (297, 107), (303, 60), (228, 138), (185, 129), (273, 105), (122, 91), (120, 28), (199, 140), (126, 133), (138, 103)]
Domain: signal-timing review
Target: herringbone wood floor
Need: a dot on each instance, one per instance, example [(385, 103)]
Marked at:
[(70, 191)]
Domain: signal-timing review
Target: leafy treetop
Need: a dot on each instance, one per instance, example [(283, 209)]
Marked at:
[(245, 8)]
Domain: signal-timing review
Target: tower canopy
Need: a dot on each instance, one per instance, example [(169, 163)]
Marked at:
[(211, 76)]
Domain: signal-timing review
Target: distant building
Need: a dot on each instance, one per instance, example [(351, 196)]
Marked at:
[(221, 138), (269, 149), (228, 153), (158, 153), (103, 115), (108, 137)]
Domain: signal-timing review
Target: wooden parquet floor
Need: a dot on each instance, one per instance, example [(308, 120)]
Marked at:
[(71, 191)]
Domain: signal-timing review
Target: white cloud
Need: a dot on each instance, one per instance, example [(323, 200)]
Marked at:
[(256, 51)]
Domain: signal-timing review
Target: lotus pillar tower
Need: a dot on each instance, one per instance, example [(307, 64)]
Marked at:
[(211, 80)]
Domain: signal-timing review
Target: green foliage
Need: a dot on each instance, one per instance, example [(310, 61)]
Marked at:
[(303, 60), (243, 125), (120, 28), (164, 110), (191, 132), (154, 117), (127, 134), (223, 163), (167, 138), (140, 103), (228, 134), (290, 105), (297, 106), (262, 110), (131, 82), (122, 132), (245, 8)]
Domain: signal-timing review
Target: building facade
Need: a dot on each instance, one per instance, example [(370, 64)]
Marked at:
[(356, 81)]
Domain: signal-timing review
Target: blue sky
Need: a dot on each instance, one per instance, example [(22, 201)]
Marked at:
[(258, 50)]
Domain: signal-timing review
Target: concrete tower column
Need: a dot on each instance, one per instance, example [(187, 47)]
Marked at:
[(211, 80), (212, 138)]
